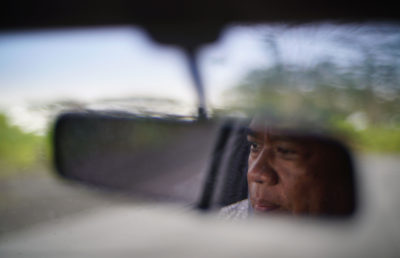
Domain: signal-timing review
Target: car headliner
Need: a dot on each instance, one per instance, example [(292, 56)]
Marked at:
[(185, 23)]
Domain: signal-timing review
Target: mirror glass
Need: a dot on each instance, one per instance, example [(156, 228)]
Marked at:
[(243, 167)]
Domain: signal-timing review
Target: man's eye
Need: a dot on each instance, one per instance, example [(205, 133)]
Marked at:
[(254, 147)]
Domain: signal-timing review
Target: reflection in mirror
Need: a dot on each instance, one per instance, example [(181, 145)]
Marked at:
[(289, 171), (239, 167)]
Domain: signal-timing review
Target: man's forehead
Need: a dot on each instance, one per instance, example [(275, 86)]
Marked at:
[(258, 122), (270, 134), (259, 125), (261, 128)]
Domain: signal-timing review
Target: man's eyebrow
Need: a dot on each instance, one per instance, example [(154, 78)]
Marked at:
[(272, 136), (283, 137), (250, 132)]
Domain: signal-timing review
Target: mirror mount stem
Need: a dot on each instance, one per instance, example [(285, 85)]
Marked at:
[(197, 81)]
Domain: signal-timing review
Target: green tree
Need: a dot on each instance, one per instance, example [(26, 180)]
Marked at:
[(19, 151)]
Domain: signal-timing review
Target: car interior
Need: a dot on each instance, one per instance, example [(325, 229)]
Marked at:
[(205, 158)]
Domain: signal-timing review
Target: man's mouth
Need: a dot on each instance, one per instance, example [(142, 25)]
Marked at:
[(265, 207)]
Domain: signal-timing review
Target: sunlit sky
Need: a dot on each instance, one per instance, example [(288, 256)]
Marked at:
[(89, 64), (116, 62), (119, 62)]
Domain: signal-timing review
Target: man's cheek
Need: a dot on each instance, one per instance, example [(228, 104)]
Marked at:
[(299, 199), (294, 191), (289, 172)]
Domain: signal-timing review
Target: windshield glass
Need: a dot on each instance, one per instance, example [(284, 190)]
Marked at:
[(345, 76), (117, 68)]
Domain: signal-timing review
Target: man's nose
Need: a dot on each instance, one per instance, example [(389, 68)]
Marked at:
[(261, 171)]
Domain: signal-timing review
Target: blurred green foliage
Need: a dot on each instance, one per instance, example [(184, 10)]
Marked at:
[(19, 151), (360, 99), (368, 120), (380, 139), (373, 138)]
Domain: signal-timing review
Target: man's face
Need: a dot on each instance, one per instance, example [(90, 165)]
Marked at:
[(287, 173)]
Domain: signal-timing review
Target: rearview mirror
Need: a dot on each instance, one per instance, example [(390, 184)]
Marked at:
[(209, 163)]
